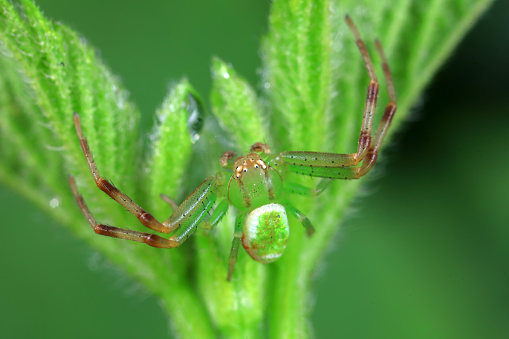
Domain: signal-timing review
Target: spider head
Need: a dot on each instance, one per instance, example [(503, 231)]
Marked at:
[(248, 164), (253, 183)]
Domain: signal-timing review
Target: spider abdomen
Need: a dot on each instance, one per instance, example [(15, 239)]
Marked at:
[(266, 232)]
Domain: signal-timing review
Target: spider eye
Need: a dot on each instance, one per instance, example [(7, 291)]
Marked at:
[(256, 166), (245, 169)]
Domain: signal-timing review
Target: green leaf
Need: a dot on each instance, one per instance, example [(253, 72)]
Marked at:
[(314, 85), (298, 60), (236, 106), (171, 147)]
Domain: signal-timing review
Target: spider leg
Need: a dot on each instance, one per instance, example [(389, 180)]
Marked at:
[(237, 237), (116, 232), (184, 220), (169, 201), (371, 96), (389, 112), (294, 188), (194, 203), (340, 166), (217, 215), (188, 226), (145, 218), (226, 157), (259, 147), (310, 230)]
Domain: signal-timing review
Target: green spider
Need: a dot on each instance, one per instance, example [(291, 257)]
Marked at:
[(258, 187)]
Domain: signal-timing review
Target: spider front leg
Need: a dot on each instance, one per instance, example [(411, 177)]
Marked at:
[(153, 240), (185, 218), (340, 166), (259, 147)]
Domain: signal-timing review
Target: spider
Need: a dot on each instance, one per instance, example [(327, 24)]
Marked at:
[(258, 187)]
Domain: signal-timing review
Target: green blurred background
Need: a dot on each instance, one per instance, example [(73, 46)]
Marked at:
[(424, 253)]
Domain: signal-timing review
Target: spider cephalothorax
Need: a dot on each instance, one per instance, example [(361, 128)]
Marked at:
[(253, 183), (258, 185)]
